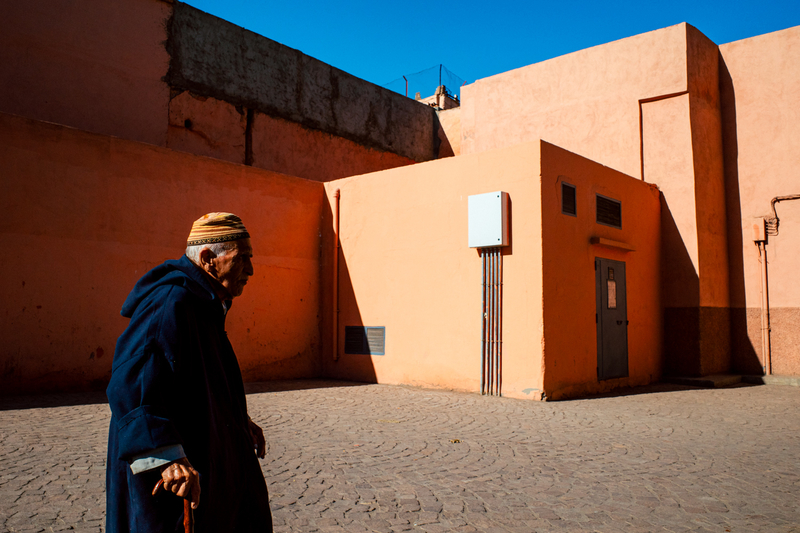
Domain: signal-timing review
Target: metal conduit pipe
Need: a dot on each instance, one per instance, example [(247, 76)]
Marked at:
[(491, 321), (494, 329), (495, 325), (766, 343), (771, 225), (483, 322), (337, 196), (500, 329)]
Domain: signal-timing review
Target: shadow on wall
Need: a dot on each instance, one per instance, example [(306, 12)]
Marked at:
[(350, 367), (681, 317), (744, 358)]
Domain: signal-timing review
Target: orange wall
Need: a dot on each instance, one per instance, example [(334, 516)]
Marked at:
[(667, 155), (86, 215), (586, 102), (648, 106), (288, 147), (217, 128), (100, 66), (449, 132), (761, 96), (405, 264), (94, 65), (207, 126), (570, 337), (682, 153)]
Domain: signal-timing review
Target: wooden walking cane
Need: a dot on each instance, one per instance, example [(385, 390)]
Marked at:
[(188, 513)]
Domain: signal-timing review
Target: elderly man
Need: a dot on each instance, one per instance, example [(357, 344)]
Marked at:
[(178, 409)]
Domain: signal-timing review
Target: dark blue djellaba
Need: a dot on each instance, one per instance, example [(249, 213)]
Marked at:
[(176, 380)]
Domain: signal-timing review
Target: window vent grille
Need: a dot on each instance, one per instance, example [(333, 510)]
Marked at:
[(365, 340), (568, 200), (609, 212)]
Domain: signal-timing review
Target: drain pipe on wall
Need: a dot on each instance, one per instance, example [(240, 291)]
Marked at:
[(769, 228), (766, 348), (336, 195)]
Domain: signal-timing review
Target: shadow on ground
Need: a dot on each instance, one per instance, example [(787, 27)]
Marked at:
[(66, 399), (43, 401), (298, 384), (655, 388)]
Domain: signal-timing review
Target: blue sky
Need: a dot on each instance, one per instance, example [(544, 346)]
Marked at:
[(380, 41)]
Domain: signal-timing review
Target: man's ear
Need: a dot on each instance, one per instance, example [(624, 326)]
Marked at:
[(206, 260)]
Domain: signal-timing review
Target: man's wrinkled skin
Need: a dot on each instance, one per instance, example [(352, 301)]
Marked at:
[(182, 480), (230, 272)]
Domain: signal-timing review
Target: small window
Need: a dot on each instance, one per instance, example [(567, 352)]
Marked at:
[(568, 202), (609, 212)]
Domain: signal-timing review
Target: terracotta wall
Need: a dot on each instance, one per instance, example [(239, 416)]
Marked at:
[(682, 153), (450, 132), (405, 264), (570, 340), (648, 106), (586, 102), (208, 126), (760, 82), (283, 146), (86, 215), (165, 73), (93, 65)]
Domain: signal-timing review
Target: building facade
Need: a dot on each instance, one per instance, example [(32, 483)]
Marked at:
[(121, 123)]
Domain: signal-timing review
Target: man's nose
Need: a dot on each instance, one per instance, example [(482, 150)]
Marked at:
[(248, 268)]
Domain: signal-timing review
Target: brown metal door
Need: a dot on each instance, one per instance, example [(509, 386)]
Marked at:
[(612, 319)]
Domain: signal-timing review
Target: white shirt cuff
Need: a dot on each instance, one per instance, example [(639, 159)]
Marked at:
[(158, 457)]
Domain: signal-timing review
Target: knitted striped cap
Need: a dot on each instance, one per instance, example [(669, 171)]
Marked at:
[(217, 227)]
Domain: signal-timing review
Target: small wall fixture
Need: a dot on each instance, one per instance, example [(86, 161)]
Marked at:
[(610, 243), (488, 220)]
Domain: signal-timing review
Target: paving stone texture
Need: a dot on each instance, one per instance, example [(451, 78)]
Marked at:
[(357, 458)]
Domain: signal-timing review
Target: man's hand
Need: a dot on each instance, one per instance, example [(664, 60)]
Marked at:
[(258, 440), (181, 479)]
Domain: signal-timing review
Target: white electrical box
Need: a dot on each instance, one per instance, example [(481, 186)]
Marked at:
[(488, 220)]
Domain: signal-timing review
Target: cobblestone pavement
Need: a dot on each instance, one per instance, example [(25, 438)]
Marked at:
[(358, 458)]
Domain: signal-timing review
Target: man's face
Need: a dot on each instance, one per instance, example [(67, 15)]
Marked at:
[(233, 269)]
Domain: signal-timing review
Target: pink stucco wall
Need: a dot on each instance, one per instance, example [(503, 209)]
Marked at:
[(647, 106), (586, 102), (761, 95), (405, 265)]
